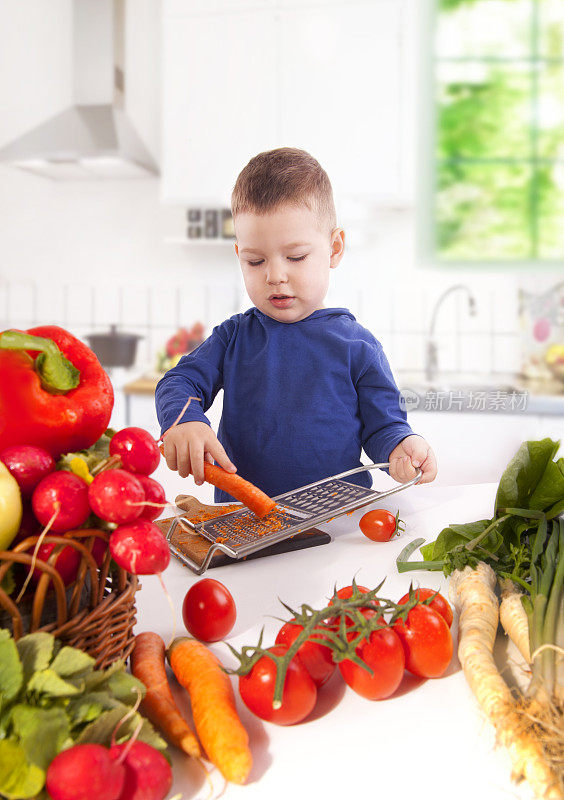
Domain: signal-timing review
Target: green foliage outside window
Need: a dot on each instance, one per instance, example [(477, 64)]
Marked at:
[(499, 77)]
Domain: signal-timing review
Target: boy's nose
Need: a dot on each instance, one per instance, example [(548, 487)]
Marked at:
[(276, 275)]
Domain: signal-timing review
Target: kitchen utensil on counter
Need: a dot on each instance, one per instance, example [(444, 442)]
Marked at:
[(195, 546), (114, 348), (239, 534), (542, 333)]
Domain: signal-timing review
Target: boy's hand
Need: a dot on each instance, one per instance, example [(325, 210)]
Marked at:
[(188, 444), (412, 452)]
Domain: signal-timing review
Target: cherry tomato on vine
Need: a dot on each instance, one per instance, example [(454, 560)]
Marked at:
[(426, 640), (438, 603), (383, 652), (299, 695), (344, 594), (208, 610), (380, 525), (317, 659)]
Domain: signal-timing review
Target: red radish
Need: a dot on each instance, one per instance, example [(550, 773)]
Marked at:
[(84, 772), (28, 464), (140, 548), (115, 496), (99, 544), (66, 493), (99, 548), (29, 526), (154, 493), (66, 563), (136, 449), (148, 775)]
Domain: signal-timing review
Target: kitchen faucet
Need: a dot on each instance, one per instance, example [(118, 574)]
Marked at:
[(431, 360)]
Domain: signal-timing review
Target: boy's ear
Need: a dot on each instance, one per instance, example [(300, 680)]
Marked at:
[(236, 249), (337, 247)]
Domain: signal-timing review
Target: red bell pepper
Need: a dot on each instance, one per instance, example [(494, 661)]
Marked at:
[(53, 391)]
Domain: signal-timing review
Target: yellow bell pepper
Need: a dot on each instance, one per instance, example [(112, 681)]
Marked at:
[(10, 507)]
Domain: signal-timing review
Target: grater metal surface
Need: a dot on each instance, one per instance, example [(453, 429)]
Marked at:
[(240, 533)]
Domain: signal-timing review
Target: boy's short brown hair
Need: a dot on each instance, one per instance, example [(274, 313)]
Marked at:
[(284, 175)]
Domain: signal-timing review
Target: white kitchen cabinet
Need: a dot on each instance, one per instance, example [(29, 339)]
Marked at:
[(339, 75), (219, 107), (242, 78)]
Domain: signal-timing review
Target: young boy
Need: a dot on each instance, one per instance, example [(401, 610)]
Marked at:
[(305, 387)]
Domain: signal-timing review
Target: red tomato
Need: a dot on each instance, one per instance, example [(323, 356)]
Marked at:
[(426, 641), (344, 594), (439, 604), (208, 610), (379, 525), (347, 591), (383, 653), (298, 698), (317, 659)]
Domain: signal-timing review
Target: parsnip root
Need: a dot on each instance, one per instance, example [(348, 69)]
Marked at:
[(472, 592), (513, 618)]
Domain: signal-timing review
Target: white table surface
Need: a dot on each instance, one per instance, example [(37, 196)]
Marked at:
[(429, 740)]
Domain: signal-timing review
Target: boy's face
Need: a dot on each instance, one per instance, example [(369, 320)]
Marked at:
[(285, 257)]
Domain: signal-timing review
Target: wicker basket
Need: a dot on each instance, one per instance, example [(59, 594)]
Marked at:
[(96, 613)]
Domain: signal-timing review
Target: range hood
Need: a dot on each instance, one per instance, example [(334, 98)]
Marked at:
[(94, 137)]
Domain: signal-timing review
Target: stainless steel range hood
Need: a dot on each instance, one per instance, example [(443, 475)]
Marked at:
[(93, 138)]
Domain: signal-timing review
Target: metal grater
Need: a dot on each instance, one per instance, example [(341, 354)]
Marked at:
[(240, 533)]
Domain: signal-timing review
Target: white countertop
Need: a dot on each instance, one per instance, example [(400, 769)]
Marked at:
[(429, 740)]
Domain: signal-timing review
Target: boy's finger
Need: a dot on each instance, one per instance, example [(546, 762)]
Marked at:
[(197, 463), (183, 460), (170, 454), (222, 458), (407, 470)]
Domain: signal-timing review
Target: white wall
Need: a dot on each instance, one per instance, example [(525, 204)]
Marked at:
[(35, 63)]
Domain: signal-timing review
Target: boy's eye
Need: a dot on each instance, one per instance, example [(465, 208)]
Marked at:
[(297, 258), (255, 263)]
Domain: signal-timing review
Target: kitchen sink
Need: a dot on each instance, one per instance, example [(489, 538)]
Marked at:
[(454, 386)]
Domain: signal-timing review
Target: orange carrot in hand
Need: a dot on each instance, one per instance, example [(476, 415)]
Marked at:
[(148, 665), (221, 732), (244, 491)]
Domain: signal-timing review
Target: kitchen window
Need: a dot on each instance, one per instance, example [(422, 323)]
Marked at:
[(498, 162)]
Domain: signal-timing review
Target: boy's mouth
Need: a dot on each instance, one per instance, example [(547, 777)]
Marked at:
[(281, 300)]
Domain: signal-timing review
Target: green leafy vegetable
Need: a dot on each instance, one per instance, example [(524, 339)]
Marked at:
[(52, 697)]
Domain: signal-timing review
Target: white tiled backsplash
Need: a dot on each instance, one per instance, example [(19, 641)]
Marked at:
[(485, 343)]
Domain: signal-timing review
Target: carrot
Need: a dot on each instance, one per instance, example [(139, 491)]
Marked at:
[(148, 665), (244, 491), (219, 728)]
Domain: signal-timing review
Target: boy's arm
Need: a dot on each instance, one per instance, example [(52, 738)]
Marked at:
[(386, 434), (198, 374), (384, 421)]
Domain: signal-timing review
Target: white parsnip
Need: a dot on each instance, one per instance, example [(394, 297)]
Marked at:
[(472, 592), (513, 618)]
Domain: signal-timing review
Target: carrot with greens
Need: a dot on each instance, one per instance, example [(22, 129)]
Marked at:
[(218, 726), (244, 491), (148, 665)]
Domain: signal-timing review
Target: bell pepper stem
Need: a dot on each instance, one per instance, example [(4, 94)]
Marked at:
[(57, 374)]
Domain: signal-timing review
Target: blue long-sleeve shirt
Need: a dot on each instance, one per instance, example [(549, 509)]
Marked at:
[(300, 399)]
